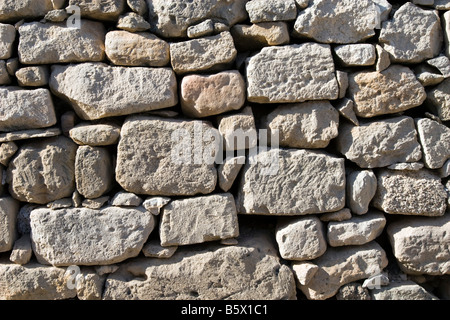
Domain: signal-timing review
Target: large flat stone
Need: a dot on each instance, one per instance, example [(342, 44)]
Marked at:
[(12, 11)]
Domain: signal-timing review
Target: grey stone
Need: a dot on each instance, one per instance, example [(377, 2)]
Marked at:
[(342, 79), (356, 55), (240, 126), (89, 284), (376, 281), (29, 134), (13, 11), (22, 251), (126, 199), (383, 59), (427, 78), (9, 209), (155, 204), (271, 10), (82, 236), (441, 4), (341, 215), (133, 22), (56, 15), (33, 76), (12, 65), (256, 36), (60, 203), (58, 4), (405, 290), (304, 271), (7, 150), (361, 187), (228, 171), (345, 109), (205, 28), (442, 63), (95, 134), (153, 249), (138, 6), (96, 203), (435, 140), (7, 37), (5, 79), (446, 29), (413, 166), (438, 99), (99, 10), (353, 291)]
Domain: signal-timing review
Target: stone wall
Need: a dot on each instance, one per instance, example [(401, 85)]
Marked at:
[(212, 149)]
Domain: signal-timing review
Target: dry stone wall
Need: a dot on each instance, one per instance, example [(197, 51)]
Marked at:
[(212, 149)]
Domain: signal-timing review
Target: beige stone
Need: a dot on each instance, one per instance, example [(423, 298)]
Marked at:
[(7, 37), (132, 22), (33, 76), (356, 55), (95, 134), (238, 130), (256, 36), (228, 171), (304, 271), (22, 251), (435, 140), (438, 99), (98, 10), (271, 10), (153, 249), (13, 11), (9, 209)]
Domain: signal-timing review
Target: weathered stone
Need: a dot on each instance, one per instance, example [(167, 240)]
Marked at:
[(89, 284), (444, 172), (390, 91), (60, 203), (441, 4), (29, 134), (271, 10), (158, 156), (305, 125), (7, 150), (25, 109), (82, 236), (5, 79), (99, 10), (209, 53), (56, 15), (353, 291), (356, 231), (96, 90), (379, 143), (12, 65), (442, 63), (153, 249), (427, 78), (136, 49), (413, 166), (22, 251), (205, 28), (126, 199), (8, 217), (171, 18), (249, 270), (304, 271), (34, 282), (207, 95), (155, 204), (102, 270), (413, 34), (361, 187), (12, 11), (96, 203), (342, 79), (356, 55), (435, 140), (138, 6), (376, 281), (49, 43), (94, 172), (410, 193), (95, 134), (322, 21), (33, 76), (292, 73), (7, 37), (210, 218), (345, 109), (228, 171), (438, 99), (240, 126), (405, 290), (43, 171), (58, 4), (420, 244), (292, 182), (383, 59), (300, 238), (339, 266), (133, 22), (256, 36), (446, 29), (341, 215)]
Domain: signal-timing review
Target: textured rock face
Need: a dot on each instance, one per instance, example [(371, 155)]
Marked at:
[(438, 98), (405, 290), (353, 55), (303, 181), (271, 10), (100, 11), (361, 187), (7, 37), (96, 90), (292, 73), (435, 140), (148, 160), (256, 36), (95, 134), (81, 236), (12, 11), (8, 217), (57, 43)]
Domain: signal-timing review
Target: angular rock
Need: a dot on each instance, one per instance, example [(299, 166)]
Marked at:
[(96, 90), (22, 251), (9, 209), (342, 79), (356, 231), (7, 37), (353, 291), (414, 166), (405, 290), (240, 126), (390, 91), (7, 150), (441, 4), (435, 140), (409, 41), (305, 125), (300, 238), (33, 76), (43, 171), (96, 203), (228, 171), (271, 10), (322, 21), (155, 204), (444, 172), (355, 55), (345, 109), (99, 10), (50, 43), (427, 78), (304, 271), (171, 18), (126, 199), (207, 95), (410, 193), (442, 63), (205, 28), (249, 270), (132, 22), (56, 15), (25, 109), (256, 36), (383, 59), (89, 284), (136, 49), (438, 99), (292, 73), (4, 75), (13, 11), (200, 219), (376, 281), (29, 134), (292, 182), (34, 282), (339, 266), (380, 143), (209, 53), (340, 215), (446, 29), (167, 157), (420, 244), (138, 6), (153, 249), (361, 187), (95, 134), (94, 172), (60, 203), (82, 236)]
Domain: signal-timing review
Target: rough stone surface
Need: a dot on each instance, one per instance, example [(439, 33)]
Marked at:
[(341, 215), (7, 37), (199, 219), (56, 15), (95, 134), (13, 11), (405, 290), (96, 90), (410, 193), (155, 204), (356, 55), (353, 291), (207, 95), (25, 109), (136, 49), (256, 36), (98, 10), (138, 6), (9, 209), (291, 73), (438, 99), (300, 238), (420, 244), (133, 22), (413, 34), (342, 79), (435, 140), (383, 59), (301, 181), (379, 143), (43, 171), (57, 43), (22, 251), (241, 126), (345, 108), (304, 271), (228, 171), (126, 199), (148, 160), (153, 249), (390, 91), (442, 63), (361, 187), (82, 236), (33, 76), (271, 10), (29, 134), (7, 150)]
